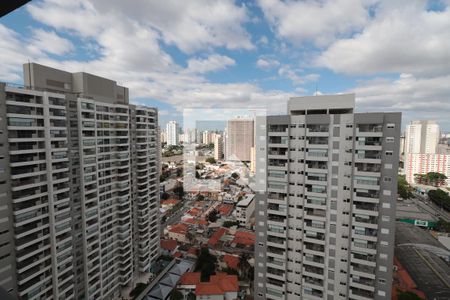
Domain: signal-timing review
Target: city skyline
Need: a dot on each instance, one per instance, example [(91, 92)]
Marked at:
[(240, 53)]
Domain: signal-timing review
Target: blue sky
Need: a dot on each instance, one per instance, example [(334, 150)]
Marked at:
[(394, 55)]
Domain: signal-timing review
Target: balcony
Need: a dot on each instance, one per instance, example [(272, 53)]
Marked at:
[(322, 142)]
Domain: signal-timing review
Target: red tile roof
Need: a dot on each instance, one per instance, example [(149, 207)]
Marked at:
[(206, 288), (170, 202), (169, 244), (216, 236), (244, 238), (179, 228), (194, 212), (195, 221), (177, 254), (225, 209), (190, 278), (228, 283), (193, 251), (218, 285), (231, 261)]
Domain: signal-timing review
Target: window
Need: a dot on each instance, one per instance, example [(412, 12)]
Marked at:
[(389, 139), (384, 243), (387, 179), (388, 166), (383, 269), (390, 125), (385, 218), (382, 293), (386, 192), (383, 256), (389, 153), (386, 205), (384, 231)]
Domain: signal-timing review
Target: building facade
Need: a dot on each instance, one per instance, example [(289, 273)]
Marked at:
[(423, 151), (172, 133), (325, 209), (422, 137), (81, 195), (240, 138), (245, 210), (218, 147)]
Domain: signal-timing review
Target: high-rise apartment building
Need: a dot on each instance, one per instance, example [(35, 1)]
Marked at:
[(240, 138), (325, 209), (218, 147), (422, 137), (172, 131), (79, 194), (423, 153)]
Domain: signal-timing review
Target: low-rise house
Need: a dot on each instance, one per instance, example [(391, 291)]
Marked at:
[(168, 246), (230, 261), (188, 283), (220, 287), (178, 232), (245, 209)]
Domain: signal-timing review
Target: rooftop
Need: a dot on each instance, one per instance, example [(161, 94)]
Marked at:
[(247, 200), (231, 261), (169, 244), (214, 239), (190, 278), (179, 228)]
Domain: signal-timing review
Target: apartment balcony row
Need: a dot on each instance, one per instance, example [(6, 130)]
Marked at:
[(368, 156), (370, 209), (317, 142), (368, 143), (368, 234), (360, 294), (367, 195)]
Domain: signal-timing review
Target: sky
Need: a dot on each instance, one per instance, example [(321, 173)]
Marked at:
[(224, 54)]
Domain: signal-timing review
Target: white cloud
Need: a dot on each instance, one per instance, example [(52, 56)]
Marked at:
[(190, 25), (416, 97), (318, 21), (50, 42), (267, 63), (293, 75), (212, 63), (402, 38)]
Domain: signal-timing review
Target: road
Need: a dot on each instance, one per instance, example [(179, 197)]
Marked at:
[(176, 217), (431, 208)]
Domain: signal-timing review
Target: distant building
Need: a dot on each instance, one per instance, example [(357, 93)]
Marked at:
[(422, 137), (219, 287), (240, 138), (172, 131), (245, 209), (163, 136), (423, 153), (253, 160), (218, 148)]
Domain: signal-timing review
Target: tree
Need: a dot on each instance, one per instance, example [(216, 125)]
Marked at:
[(443, 225), (206, 264), (431, 178), (179, 191), (235, 175), (244, 266), (179, 172), (440, 198), (229, 224), (213, 216), (191, 296), (404, 189), (138, 289), (176, 295), (164, 196), (230, 271), (200, 197), (408, 296), (211, 160)]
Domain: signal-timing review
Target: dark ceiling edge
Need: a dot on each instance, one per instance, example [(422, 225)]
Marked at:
[(9, 5)]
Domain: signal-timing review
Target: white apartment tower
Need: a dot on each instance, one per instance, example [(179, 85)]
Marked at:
[(172, 131), (79, 198), (422, 137), (240, 138), (218, 147), (325, 209)]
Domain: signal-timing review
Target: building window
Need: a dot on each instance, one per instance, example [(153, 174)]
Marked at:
[(388, 166), (390, 125), (390, 139), (389, 153)]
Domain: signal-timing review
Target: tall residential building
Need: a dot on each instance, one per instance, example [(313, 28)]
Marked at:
[(172, 131), (79, 183), (325, 209), (218, 147), (423, 153), (422, 137), (240, 138), (163, 136)]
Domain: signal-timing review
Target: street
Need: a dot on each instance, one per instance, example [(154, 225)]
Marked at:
[(431, 208)]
